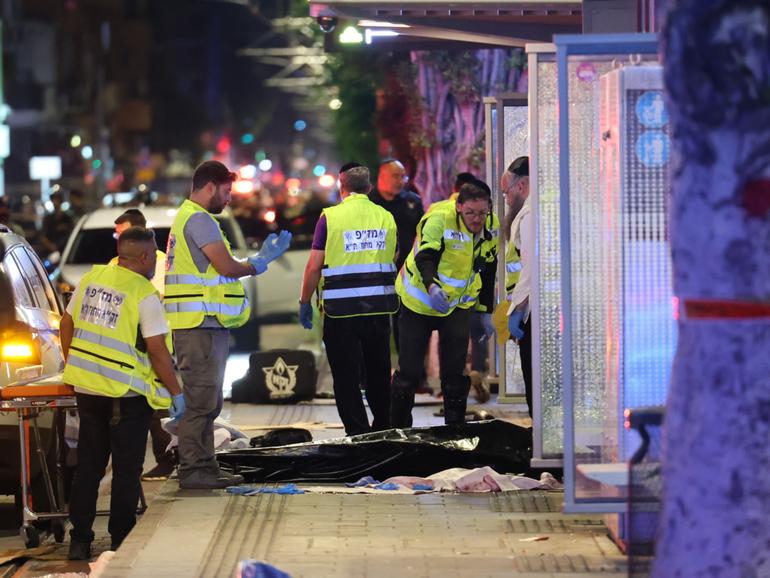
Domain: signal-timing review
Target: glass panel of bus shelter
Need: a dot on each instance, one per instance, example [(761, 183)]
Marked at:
[(547, 350), (623, 329), (516, 144)]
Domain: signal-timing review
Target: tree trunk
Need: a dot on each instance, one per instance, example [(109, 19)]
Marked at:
[(715, 519), (449, 135)]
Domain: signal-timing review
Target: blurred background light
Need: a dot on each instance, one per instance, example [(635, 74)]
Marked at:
[(243, 187), (335, 104), (87, 152), (265, 165), (319, 170), (75, 141), (247, 172), (327, 180), (351, 35)]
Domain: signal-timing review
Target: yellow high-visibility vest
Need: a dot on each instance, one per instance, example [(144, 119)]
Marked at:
[(490, 243), (443, 231), (359, 273), (191, 295), (107, 355)]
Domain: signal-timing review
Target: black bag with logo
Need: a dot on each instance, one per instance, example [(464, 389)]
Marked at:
[(277, 376)]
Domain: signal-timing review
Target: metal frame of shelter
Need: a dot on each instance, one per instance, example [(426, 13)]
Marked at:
[(567, 46)]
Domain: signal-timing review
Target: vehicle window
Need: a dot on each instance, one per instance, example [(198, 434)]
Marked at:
[(99, 246), (21, 291), (37, 280), (93, 246)]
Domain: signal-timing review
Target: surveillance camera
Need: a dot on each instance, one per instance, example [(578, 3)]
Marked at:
[(327, 24)]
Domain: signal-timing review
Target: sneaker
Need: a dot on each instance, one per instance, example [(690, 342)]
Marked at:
[(159, 473), (479, 387), (79, 551)]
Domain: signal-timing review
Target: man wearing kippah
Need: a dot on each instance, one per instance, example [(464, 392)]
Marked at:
[(515, 186)]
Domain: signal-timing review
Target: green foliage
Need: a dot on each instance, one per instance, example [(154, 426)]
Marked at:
[(354, 77)]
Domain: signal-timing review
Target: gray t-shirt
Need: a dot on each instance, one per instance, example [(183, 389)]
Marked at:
[(201, 230)]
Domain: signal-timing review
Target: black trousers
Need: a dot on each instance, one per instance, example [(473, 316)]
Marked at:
[(356, 346), (414, 333), (117, 427), (525, 354), (479, 343)]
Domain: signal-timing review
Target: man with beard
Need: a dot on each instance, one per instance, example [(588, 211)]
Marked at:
[(203, 300)]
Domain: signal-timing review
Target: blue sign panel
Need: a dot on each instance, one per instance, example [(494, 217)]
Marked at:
[(653, 148), (651, 109)]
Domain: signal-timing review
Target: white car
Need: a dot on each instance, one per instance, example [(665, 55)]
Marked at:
[(273, 295)]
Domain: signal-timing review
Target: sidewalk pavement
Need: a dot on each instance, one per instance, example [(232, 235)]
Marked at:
[(206, 533)]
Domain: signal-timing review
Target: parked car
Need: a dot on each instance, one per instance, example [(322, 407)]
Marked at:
[(30, 350), (273, 295)]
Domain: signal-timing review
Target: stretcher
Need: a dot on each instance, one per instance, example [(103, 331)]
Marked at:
[(28, 401)]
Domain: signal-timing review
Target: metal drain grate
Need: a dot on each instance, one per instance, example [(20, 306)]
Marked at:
[(569, 564), (552, 526), (531, 502)]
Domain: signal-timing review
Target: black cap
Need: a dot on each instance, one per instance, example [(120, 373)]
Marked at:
[(520, 167), (348, 166), (483, 186)]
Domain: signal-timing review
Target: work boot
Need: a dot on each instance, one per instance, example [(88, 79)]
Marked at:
[(234, 479), (479, 386), (205, 480), (79, 550), (401, 401), (455, 391)]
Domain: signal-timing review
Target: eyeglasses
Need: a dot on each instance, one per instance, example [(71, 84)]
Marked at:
[(475, 214)]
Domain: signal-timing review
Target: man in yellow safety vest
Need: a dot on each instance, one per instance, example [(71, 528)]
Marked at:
[(116, 342), (204, 299), (353, 254), (445, 275)]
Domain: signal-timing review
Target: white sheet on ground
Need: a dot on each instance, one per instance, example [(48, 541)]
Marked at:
[(483, 479)]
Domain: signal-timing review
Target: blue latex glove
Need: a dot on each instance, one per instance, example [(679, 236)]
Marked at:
[(438, 299), (259, 264), (275, 246), (515, 324), (177, 406), (306, 315), (487, 325)]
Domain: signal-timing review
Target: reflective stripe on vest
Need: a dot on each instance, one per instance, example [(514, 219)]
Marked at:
[(199, 280), (111, 343), (206, 308), (357, 292), (513, 267), (359, 268), (458, 283), (418, 293), (76, 360)]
